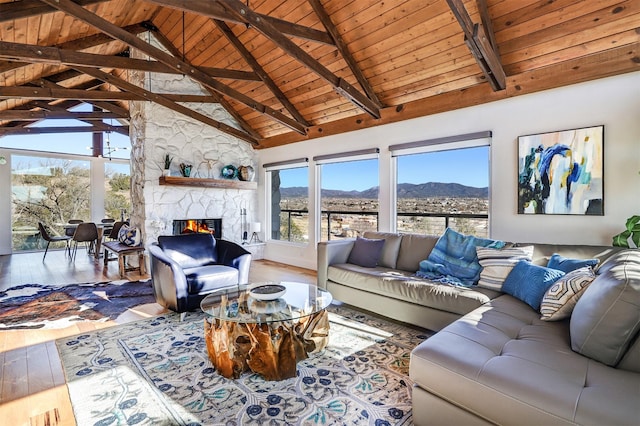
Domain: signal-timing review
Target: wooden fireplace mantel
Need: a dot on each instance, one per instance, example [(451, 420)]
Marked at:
[(207, 183)]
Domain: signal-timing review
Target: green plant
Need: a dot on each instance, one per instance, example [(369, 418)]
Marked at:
[(632, 230), (167, 161)]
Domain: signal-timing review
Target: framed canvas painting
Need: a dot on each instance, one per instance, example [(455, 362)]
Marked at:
[(562, 172)]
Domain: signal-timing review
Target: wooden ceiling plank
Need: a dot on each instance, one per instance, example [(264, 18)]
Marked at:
[(73, 9), (215, 10), (219, 98), (167, 103), (613, 62), (257, 68), (344, 50), (268, 30)]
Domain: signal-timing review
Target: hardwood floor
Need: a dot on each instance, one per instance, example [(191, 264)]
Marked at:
[(32, 384)]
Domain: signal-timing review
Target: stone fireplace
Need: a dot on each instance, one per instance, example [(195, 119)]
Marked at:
[(157, 131)]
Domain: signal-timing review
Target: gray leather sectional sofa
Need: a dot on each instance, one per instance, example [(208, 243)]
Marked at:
[(493, 361)]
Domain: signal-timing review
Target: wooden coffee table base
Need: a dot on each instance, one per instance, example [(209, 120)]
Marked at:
[(271, 350)]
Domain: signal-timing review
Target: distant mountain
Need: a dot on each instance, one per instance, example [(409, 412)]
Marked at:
[(405, 190)]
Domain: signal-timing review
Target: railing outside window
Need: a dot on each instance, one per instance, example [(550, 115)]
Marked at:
[(337, 225)]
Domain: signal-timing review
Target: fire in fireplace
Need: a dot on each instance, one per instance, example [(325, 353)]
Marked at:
[(186, 226)]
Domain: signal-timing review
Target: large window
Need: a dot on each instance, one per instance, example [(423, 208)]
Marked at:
[(348, 196), (289, 204), (47, 190), (117, 201), (444, 185)]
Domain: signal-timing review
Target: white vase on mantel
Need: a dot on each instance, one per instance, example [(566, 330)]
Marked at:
[(166, 172)]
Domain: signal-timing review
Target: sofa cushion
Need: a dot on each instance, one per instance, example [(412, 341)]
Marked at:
[(413, 249), (205, 279), (366, 252), (403, 286), (189, 250), (560, 299), (566, 264), (391, 247), (505, 365), (497, 263), (454, 258), (607, 317), (529, 282)]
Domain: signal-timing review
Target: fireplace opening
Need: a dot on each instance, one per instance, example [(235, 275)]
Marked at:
[(189, 226)]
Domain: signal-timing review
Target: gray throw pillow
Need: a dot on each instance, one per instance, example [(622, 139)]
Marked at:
[(366, 252), (607, 316)]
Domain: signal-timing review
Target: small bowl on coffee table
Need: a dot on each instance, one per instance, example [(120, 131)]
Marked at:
[(267, 291)]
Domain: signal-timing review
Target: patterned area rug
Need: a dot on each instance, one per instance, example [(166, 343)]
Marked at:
[(157, 372), (36, 306)]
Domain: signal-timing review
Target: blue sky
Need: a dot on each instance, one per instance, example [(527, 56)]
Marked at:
[(468, 167)]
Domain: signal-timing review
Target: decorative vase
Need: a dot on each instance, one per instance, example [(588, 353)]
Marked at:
[(185, 169), (245, 173), (166, 172)]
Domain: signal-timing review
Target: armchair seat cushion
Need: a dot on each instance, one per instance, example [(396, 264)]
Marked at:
[(204, 279)]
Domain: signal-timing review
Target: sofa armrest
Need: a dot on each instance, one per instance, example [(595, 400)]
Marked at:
[(236, 256), (168, 279), (331, 253)]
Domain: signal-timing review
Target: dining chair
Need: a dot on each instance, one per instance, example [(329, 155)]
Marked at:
[(113, 233), (86, 232), (70, 231), (53, 238)]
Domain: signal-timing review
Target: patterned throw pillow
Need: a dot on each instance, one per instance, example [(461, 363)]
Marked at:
[(559, 301), (129, 236), (497, 263)]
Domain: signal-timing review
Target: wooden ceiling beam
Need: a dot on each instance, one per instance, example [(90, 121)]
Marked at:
[(214, 10), (6, 131), (96, 21), (25, 92), (257, 68), (56, 56), (28, 8), (17, 115), (479, 43), (265, 28), (167, 103), (218, 98), (344, 50)]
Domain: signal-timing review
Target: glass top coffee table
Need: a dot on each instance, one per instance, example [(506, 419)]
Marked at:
[(265, 327)]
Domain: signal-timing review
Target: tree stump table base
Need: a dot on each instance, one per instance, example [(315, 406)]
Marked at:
[(269, 349)]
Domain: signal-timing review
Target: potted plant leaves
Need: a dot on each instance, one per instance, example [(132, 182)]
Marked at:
[(632, 232)]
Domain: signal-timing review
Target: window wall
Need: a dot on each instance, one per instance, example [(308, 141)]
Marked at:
[(348, 196), (289, 202), (443, 185)]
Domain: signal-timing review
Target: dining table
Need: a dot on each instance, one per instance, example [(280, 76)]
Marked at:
[(101, 228)]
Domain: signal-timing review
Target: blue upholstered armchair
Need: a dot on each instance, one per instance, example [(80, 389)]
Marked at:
[(185, 268)]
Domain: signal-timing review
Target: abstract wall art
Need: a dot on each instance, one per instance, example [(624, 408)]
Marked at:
[(562, 172)]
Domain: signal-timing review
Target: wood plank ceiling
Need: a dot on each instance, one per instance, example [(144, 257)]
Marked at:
[(292, 70)]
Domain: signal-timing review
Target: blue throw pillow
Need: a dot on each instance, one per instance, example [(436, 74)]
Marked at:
[(366, 252), (565, 264), (529, 282), (454, 259)]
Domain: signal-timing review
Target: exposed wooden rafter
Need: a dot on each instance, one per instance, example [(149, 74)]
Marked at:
[(18, 115), (215, 10), (166, 102), (29, 8), (6, 131), (90, 18), (480, 44), (344, 50), (257, 68), (218, 98), (56, 56)]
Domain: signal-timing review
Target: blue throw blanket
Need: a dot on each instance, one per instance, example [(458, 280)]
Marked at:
[(453, 260)]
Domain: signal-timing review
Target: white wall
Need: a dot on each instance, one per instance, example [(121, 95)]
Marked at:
[(613, 102)]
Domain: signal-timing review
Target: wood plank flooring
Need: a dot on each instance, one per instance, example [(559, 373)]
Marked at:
[(32, 384)]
